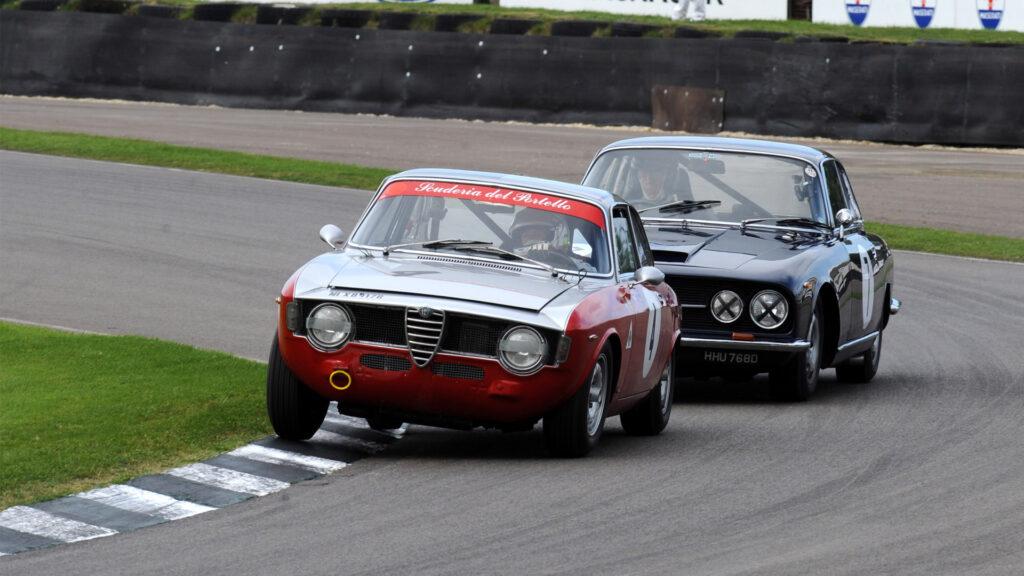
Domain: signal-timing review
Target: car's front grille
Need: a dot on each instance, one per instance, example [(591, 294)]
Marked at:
[(460, 371), (388, 362), (455, 334), (695, 296), (423, 329)]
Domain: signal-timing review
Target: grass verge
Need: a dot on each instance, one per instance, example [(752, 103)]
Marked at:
[(361, 177), (188, 158), (80, 411)]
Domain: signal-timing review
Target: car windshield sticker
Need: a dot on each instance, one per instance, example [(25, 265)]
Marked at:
[(506, 196), (811, 172)]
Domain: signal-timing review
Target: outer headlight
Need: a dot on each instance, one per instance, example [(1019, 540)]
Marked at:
[(329, 326), (726, 306), (769, 309), (521, 350)]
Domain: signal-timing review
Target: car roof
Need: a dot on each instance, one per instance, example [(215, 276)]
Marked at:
[(800, 151), (597, 196)]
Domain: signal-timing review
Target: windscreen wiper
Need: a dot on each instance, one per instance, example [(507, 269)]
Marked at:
[(432, 244), (683, 206), (787, 221), (490, 248)]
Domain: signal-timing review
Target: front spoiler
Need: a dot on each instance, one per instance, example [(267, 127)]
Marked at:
[(795, 346)]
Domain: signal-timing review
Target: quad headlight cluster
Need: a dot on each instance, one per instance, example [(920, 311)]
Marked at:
[(521, 350), (329, 326), (768, 308)]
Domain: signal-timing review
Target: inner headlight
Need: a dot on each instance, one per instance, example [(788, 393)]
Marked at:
[(769, 309), (329, 326), (727, 306), (521, 350)]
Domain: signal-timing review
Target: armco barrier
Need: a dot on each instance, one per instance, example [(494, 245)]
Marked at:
[(922, 93)]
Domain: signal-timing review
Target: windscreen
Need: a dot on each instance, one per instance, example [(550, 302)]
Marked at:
[(720, 186), (566, 233)]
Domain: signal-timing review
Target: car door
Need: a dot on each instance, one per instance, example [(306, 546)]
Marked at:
[(871, 261), (627, 261), (658, 317), (857, 297)]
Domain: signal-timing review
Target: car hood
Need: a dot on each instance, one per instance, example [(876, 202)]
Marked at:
[(728, 249), (439, 276)]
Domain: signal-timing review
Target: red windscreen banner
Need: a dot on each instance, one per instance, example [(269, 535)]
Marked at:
[(511, 197)]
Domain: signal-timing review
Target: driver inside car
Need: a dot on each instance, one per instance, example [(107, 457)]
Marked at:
[(535, 231), (659, 181)]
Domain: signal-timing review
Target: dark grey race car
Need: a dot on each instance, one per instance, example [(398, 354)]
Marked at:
[(765, 246)]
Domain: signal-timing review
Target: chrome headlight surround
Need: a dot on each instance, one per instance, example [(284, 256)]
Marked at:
[(726, 306), (521, 350), (329, 327), (771, 307)]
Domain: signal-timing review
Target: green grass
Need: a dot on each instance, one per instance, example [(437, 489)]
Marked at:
[(330, 174), (666, 26), (80, 411), (202, 159), (950, 242)]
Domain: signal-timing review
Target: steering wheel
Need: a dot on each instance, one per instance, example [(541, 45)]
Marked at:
[(556, 259)]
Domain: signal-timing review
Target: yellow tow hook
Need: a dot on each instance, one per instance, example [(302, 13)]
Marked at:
[(340, 380)]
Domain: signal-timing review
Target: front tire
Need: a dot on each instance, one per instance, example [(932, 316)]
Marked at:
[(574, 428), (797, 380), (651, 415), (863, 371), (295, 411)]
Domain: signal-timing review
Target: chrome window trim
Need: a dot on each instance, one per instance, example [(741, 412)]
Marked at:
[(391, 180)]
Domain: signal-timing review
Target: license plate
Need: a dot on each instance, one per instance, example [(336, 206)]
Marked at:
[(730, 357)]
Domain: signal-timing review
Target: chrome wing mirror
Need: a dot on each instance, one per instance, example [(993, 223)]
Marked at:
[(649, 276), (844, 218), (332, 235)]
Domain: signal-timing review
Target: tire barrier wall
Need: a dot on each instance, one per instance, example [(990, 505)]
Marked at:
[(916, 94)]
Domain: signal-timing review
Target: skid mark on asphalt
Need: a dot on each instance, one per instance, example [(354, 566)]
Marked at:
[(266, 466)]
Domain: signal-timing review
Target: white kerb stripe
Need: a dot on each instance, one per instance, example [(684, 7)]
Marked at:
[(32, 521), (142, 501), (229, 479), (283, 457)]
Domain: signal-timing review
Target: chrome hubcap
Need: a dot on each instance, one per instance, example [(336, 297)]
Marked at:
[(812, 352), (595, 403), (666, 386)]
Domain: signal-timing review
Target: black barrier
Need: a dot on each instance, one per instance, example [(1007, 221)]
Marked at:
[(917, 93)]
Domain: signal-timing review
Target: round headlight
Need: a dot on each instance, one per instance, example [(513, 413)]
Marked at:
[(521, 350), (329, 326), (769, 309), (726, 306)]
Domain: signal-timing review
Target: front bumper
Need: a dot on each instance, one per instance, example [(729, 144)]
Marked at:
[(753, 345)]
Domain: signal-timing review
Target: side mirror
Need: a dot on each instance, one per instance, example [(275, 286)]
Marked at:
[(332, 235), (649, 276), (844, 217)]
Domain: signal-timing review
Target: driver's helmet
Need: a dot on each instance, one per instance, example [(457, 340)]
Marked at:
[(534, 229)]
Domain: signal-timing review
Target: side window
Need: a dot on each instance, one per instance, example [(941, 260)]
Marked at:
[(851, 201), (642, 245), (625, 254), (835, 187)]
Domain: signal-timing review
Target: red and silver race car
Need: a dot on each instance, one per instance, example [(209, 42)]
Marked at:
[(466, 299)]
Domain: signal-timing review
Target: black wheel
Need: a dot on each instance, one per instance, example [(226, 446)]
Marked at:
[(796, 380), (863, 369), (574, 428), (650, 416), (384, 423), (295, 411)]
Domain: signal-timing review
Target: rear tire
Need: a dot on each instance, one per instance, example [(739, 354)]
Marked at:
[(860, 372), (295, 411), (574, 428), (651, 415), (797, 380)]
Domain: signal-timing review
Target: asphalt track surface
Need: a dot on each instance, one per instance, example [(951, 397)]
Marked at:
[(919, 472), (957, 189)]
